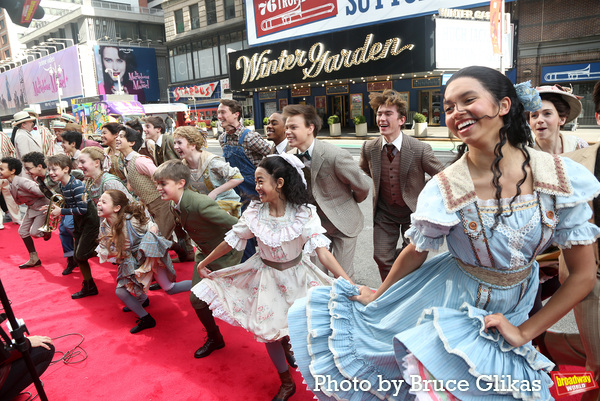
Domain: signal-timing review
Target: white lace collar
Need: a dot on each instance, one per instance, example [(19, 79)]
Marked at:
[(549, 176)]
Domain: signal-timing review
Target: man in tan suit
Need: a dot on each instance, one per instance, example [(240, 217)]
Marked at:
[(276, 134), (334, 180), (583, 348), (397, 163)]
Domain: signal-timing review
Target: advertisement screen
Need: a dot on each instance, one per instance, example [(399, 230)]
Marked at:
[(36, 81), (127, 70)]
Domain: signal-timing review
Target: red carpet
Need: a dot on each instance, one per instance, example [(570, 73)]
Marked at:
[(156, 364)]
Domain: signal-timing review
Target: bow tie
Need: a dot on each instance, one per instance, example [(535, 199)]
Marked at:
[(303, 155)]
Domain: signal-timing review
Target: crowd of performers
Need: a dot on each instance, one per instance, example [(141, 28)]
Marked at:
[(273, 226)]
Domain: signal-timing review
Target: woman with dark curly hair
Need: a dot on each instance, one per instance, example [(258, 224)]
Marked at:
[(257, 294), (119, 65), (456, 326)]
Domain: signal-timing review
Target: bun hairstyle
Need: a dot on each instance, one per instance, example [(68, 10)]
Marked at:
[(293, 188), (515, 130)]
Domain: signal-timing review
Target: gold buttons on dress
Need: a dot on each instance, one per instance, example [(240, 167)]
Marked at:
[(550, 214), (473, 225)]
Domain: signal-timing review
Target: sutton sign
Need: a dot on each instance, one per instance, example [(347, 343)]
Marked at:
[(387, 49)]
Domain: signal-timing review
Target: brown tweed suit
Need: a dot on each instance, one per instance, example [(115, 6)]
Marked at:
[(416, 159)]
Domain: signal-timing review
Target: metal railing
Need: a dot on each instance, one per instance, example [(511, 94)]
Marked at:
[(127, 8)]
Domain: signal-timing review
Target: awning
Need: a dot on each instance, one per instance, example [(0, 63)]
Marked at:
[(165, 108)]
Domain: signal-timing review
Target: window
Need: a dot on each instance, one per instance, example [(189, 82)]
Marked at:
[(126, 29), (4, 39), (195, 16), (7, 53), (179, 27), (2, 24), (211, 12), (229, 9)]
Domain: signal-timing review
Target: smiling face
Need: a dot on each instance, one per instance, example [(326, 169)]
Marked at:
[(546, 122), (106, 206), (298, 134), (89, 166), (4, 171), (34, 171), (227, 119), (170, 189), (58, 174), (112, 61), (69, 148), (108, 138), (151, 131), (268, 189), (183, 147), (276, 128), (389, 121), (122, 144), (472, 114)]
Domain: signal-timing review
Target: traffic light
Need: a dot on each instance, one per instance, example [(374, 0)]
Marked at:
[(21, 12)]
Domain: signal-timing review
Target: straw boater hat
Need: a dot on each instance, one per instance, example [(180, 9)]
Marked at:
[(58, 124), (31, 111), (68, 117), (571, 99), (21, 117)]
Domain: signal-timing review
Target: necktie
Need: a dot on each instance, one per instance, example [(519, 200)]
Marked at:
[(303, 155), (390, 151), (159, 155)]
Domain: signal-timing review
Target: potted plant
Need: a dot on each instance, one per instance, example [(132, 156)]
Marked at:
[(335, 128), (420, 125), (360, 125), (215, 130), (265, 123), (249, 123)]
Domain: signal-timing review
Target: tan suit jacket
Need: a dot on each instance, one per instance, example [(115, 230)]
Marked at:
[(26, 191), (416, 159), (338, 186)]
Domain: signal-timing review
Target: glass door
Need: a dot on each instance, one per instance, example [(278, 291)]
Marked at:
[(430, 106)]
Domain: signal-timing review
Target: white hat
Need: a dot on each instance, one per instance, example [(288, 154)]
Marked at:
[(59, 124), (68, 117), (21, 117), (571, 99)]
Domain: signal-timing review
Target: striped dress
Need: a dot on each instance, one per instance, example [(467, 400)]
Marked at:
[(430, 324)]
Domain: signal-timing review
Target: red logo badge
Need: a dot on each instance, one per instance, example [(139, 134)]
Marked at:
[(277, 15), (573, 383)]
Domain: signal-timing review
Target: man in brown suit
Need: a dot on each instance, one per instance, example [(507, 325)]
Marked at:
[(397, 163), (276, 133), (334, 180)]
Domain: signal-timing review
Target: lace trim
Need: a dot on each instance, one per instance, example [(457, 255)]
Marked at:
[(274, 231)]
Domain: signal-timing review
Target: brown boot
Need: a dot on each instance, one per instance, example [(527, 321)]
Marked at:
[(288, 387), (289, 354)]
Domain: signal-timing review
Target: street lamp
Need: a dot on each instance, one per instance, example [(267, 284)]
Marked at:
[(115, 75), (56, 73)]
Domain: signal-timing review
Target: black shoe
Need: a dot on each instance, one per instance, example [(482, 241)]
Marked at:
[(211, 344), (28, 264), (155, 287), (289, 354), (89, 288), (71, 265), (144, 305), (143, 323)]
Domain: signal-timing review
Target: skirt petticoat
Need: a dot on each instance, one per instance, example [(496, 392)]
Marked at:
[(257, 297), (429, 313)]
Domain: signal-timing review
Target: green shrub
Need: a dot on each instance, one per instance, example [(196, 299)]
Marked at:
[(334, 119), (202, 124), (248, 122), (266, 121), (213, 123), (419, 118), (359, 120)]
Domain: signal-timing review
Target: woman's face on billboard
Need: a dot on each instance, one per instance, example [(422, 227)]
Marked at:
[(112, 61)]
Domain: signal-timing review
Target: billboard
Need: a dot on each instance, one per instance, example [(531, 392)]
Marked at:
[(33, 83), (127, 70), (380, 49), (270, 21), (460, 43)]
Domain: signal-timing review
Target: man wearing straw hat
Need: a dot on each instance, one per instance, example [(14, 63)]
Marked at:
[(48, 139), (27, 139)]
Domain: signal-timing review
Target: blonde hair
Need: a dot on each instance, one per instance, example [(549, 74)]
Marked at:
[(94, 152), (192, 135)]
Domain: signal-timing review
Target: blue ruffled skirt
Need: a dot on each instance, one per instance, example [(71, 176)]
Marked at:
[(349, 351)]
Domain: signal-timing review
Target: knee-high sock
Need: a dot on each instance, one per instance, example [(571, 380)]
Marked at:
[(131, 302), (207, 319), (29, 244), (86, 270), (277, 355), (171, 287)]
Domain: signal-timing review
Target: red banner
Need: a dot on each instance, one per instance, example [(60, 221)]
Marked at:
[(496, 25), (277, 15), (28, 10), (573, 383)]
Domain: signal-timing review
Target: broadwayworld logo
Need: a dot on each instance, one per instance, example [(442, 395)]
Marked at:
[(573, 383)]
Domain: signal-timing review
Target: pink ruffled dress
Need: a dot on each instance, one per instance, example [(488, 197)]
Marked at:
[(257, 294)]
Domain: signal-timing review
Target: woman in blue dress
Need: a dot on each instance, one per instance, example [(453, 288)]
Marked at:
[(456, 326)]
